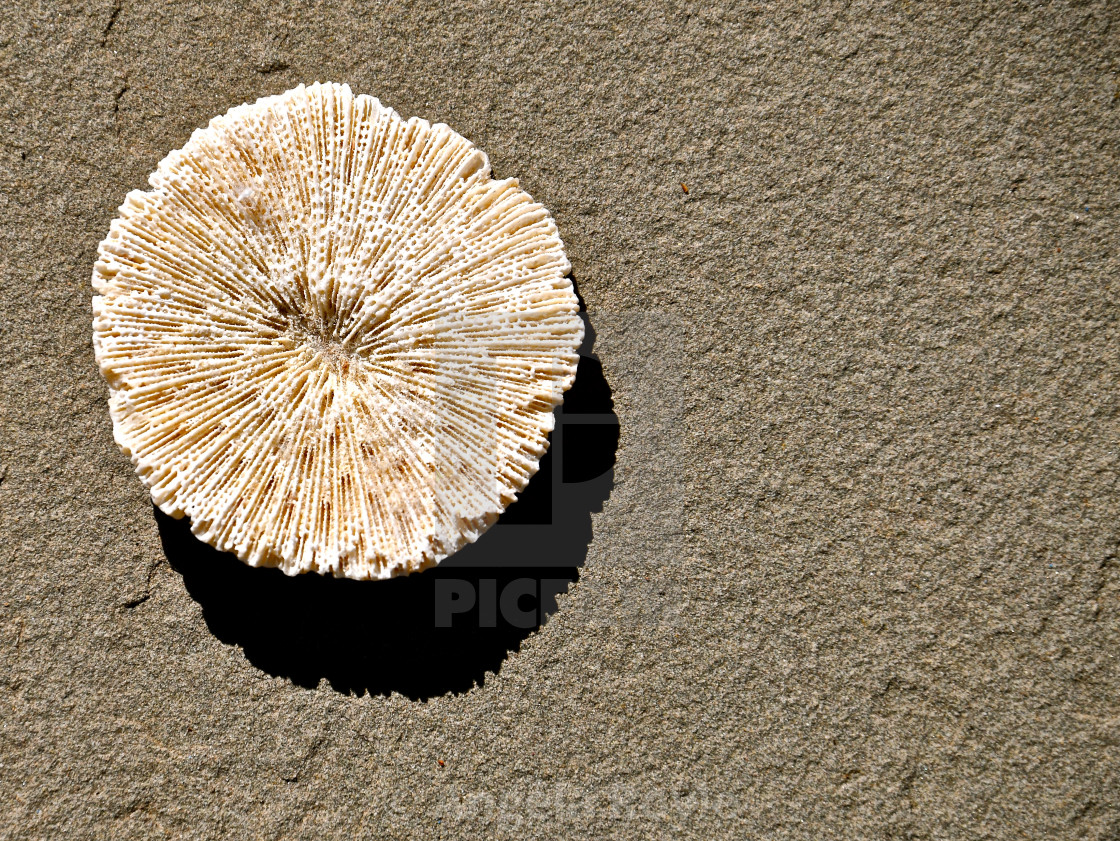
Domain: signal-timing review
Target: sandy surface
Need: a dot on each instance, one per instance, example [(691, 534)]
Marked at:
[(858, 576)]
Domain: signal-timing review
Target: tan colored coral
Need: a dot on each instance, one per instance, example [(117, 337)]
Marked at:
[(331, 339)]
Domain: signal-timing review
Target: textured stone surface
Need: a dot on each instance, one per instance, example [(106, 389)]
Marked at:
[(859, 574)]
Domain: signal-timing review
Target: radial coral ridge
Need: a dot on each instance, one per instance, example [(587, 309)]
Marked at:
[(331, 339)]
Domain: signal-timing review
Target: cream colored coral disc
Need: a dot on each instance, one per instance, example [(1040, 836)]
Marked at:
[(331, 339)]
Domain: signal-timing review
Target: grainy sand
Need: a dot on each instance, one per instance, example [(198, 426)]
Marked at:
[(858, 576)]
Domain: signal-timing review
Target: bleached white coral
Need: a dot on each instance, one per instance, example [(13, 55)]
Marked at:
[(331, 339)]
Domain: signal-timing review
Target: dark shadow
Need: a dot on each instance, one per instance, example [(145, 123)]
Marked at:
[(439, 631)]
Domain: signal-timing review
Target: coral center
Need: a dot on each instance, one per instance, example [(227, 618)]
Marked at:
[(321, 337)]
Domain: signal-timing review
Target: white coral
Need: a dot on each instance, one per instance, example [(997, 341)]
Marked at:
[(331, 339)]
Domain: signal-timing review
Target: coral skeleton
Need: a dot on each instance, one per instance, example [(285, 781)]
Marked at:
[(331, 339)]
